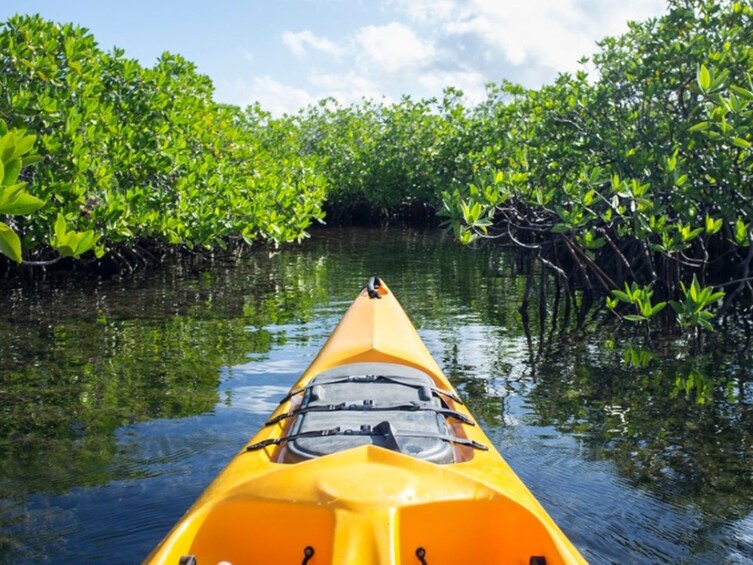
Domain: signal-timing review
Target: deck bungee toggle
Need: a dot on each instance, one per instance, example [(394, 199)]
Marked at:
[(372, 287), (371, 458)]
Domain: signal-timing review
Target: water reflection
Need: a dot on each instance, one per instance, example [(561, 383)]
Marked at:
[(675, 422), (121, 400)]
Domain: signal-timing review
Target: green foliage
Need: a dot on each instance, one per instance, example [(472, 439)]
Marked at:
[(640, 298), (389, 158), (72, 243), (642, 173), (693, 311), (133, 155), (10, 245), (15, 153)]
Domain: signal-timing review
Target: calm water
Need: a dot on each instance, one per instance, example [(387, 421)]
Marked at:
[(121, 400)]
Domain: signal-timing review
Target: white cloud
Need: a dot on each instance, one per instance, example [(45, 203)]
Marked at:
[(472, 83), (298, 43), (615, 21), (542, 32), (394, 47), (432, 44), (346, 88), (425, 11), (545, 36), (274, 96)]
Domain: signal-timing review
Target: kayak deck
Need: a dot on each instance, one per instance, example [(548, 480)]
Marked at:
[(345, 472), (407, 505), (382, 404)]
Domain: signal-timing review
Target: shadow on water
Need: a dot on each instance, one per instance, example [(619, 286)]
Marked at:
[(121, 400)]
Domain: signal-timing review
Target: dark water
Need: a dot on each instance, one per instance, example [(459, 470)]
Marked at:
[(121, 400)]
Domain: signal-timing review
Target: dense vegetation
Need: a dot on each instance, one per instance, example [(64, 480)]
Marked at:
[(141, 156), (390, 160), (638, 182), (633, 181)]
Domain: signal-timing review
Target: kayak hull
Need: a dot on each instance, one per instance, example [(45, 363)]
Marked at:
[(368, 504)]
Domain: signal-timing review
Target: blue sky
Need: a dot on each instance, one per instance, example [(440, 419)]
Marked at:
[(286, 54)]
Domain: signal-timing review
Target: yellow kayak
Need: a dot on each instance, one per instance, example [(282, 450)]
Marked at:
[(371, 458)]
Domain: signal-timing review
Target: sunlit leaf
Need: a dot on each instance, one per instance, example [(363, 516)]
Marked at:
[(704, 78), (24, 204), (11, 172), (10, 244)]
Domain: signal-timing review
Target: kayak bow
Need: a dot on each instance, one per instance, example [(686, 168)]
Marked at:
[(371, 458)]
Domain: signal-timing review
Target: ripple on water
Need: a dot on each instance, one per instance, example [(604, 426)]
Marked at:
[(270, 368), (137, 350), (604, 515), (262, 400)]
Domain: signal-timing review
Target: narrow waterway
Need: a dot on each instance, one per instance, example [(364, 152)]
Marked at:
[(121, 399)]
